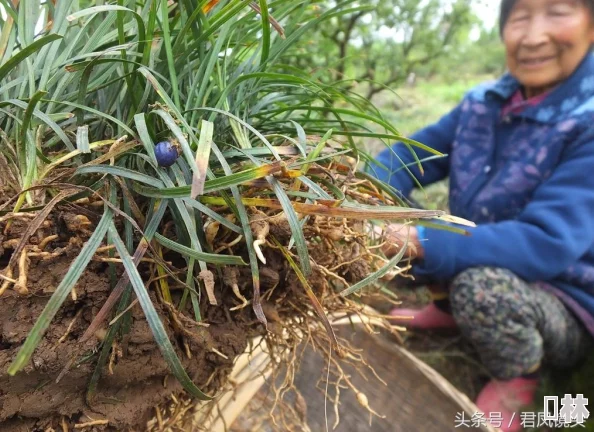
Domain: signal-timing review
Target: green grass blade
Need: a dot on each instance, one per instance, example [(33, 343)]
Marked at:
[(200, 256), (111, 8), (26, 52), (204, 73), (9, 9), (213, 185), (111, 335), (212, 214), (22, 147), (128, 77), (249, 239), (169, 192), (119, 289), (59, 26), (190, 24), (265, 31), (75, 271), (169, 52), (83, 93), (44, 118), (316, 151), (145, 137), (158, 87), (27, 18), (214, 24), (243, 123), (302, 138), (98, 114), (295, 225), (6, 34), (378, 274), (153, 319), (120, 172)]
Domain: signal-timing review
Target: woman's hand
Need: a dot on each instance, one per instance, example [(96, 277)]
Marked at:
[(395, 236)]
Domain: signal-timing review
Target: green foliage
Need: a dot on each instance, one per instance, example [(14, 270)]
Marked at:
[(484, 56), (384, 43), (84, 100)]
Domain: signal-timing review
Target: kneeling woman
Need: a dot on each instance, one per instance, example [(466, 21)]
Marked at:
[(520, 160)]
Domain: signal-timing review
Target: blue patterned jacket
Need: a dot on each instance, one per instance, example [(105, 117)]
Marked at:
[(526, 179)]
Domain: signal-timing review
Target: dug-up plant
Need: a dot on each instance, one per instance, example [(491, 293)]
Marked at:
[(169, 190)]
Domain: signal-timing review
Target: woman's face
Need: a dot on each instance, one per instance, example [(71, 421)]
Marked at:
[(545, 41)]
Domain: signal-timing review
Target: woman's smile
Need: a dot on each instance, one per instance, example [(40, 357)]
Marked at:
[(535, 63)]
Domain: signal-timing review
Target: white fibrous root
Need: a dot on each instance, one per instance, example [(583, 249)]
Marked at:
[(260, 228), (257, 244), (364, 402), (230, 275), (7, 280)]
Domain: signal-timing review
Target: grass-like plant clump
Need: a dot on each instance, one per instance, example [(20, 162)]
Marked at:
[(169, 149)]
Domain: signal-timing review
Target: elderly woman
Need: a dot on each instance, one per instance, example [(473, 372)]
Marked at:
[(519, 152)]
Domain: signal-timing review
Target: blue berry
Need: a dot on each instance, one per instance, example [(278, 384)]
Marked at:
[(166, 153)]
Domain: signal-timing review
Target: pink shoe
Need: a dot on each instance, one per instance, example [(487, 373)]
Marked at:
[(507, 398), (428, 318)]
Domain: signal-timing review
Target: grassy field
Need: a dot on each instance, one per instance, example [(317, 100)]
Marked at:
[(415, 107)]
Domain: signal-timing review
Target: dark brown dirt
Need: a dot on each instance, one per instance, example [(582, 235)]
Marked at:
[(8, 181), (32, 401)]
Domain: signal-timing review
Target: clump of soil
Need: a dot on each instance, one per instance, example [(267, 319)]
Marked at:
[(138, 378), (282, 304)]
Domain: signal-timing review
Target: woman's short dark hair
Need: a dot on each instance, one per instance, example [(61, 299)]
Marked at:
[(507, 6)]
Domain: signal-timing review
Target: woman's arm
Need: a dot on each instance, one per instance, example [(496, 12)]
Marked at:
[(555, 229), (389, 164)]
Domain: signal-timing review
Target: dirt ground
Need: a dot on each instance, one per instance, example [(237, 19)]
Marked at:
[(137, 380)]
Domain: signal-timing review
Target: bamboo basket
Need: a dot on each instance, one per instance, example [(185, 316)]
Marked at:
[(417, 398)]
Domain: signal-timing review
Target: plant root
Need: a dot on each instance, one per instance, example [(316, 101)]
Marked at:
[(230, 275), (260, 228), (91, 423), (68, 329), (7, 278), (21, 285)]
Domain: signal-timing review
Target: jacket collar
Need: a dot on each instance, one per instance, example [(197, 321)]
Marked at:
[(561, 102)]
